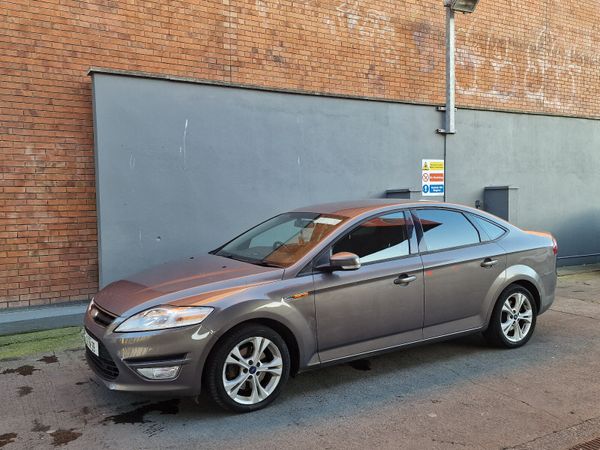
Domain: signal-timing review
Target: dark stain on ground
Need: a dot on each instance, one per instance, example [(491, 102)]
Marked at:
[(7, 438), (79, 383), (49, 359), (361, 364), (85, 410), (142, 402), (24, 390), (38, 427), (137, 415), (23, 370), (63, 437)]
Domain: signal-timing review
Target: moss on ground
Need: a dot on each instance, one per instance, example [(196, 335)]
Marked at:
[(21, 345)]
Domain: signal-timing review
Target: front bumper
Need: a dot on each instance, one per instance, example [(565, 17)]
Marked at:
[(120, 354)]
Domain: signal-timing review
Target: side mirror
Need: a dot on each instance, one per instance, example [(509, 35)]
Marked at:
[(344, 261)]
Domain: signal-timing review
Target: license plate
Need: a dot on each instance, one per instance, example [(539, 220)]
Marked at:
[(91, 343)]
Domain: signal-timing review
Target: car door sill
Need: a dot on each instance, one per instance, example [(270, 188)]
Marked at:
[(395, 347)]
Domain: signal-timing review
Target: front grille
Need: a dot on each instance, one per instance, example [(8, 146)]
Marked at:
[(101, 317), (103, 364)]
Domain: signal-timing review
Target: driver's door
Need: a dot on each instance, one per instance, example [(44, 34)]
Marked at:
[(369, 309)]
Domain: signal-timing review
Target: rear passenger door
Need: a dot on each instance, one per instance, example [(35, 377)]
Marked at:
[(460, 266)]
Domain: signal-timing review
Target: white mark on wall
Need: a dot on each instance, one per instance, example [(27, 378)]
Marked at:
[(182, 148), (372, 27), (367, 22), (494, 68), (349, 11), (266, 7), (331, 24), (132, 161), (479, 61), (551, 70), (262, 8), (421, 35)]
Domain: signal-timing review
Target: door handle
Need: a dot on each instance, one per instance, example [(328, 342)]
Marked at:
[(489, 262), (404, 279)]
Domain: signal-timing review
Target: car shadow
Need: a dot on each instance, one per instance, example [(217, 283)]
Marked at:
[(350, 388)]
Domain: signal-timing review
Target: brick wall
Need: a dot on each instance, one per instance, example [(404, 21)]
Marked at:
[(539, 56)]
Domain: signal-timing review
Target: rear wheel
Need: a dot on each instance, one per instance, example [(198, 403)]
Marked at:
[(513, 319), (248, 368)]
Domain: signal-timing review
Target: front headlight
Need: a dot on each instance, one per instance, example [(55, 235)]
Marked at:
[(163, 317)]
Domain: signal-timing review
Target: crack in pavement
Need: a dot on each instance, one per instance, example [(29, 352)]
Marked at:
[(554, 432), (573, 314), (536, 408)]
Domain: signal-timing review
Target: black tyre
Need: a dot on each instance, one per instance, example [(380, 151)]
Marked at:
[(513, 319), (247, 368)]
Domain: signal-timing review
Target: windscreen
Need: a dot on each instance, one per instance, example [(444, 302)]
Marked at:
[(282, 240)]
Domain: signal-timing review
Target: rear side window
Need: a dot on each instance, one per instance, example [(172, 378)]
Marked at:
[(384, 237), (493, 231), (446, 229)]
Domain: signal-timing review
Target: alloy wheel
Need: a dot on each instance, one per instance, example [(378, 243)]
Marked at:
[(516, 317), (252, 370)]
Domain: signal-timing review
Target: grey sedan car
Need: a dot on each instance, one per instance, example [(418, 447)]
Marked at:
[(319, 285)]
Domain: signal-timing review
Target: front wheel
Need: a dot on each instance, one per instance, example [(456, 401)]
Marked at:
[(513, 319), (248, 368)]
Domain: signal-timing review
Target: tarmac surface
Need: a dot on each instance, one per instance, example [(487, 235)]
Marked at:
[(457, 394)]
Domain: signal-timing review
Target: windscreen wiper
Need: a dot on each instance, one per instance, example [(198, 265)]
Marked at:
[(258, 262), (266, 264)]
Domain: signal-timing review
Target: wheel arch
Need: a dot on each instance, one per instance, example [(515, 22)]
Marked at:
[(283, 330), (519, 275), (531, 288)]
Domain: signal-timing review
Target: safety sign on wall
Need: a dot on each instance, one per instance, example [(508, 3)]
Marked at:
[(432, 175)]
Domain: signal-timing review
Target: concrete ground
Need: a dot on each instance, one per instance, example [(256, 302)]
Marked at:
[(458, 394)]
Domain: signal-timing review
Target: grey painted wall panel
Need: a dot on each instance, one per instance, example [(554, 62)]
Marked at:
[(184, 167), (554, 161)]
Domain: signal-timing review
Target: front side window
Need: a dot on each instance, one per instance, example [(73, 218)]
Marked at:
[(282, 240), (446, 229), (377, 239)]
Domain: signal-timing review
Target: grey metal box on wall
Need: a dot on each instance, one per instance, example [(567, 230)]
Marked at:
[(405, 194), (502, 201)]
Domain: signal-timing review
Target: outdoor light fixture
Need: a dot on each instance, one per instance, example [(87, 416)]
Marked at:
[(464, 6)]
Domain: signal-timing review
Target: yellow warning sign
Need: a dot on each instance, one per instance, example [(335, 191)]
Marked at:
[(436, 165)]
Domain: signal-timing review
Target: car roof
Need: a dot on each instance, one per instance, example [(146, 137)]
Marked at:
[(360, 207)]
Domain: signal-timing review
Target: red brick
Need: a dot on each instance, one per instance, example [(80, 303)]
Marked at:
[(529, 56)]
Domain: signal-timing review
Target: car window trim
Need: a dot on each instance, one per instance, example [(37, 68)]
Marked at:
[(480, 230), (506, 230), (423, 250), (407, 217)]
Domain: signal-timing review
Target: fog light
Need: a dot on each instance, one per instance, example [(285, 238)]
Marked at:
[(159, 373)]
